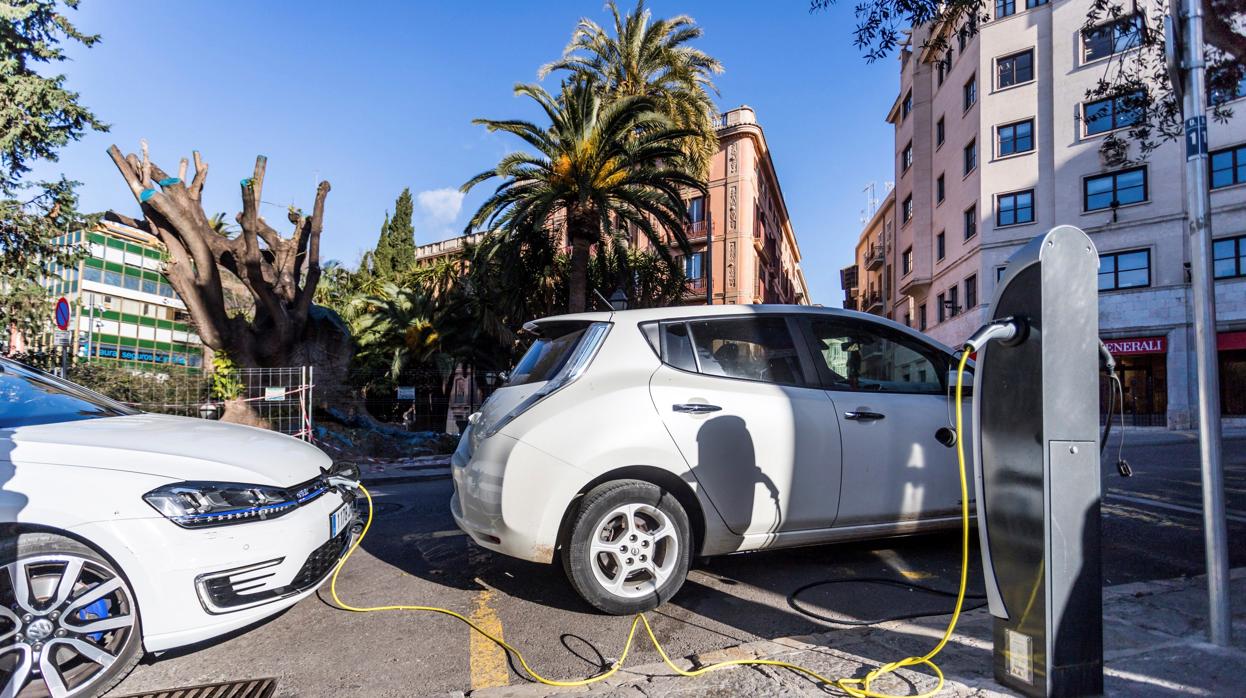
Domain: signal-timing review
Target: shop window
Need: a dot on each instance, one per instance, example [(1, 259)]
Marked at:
[(1120, 270), (1233, 383)]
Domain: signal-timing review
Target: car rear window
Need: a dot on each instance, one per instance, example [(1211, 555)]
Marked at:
[(29, 397), (548, 354)]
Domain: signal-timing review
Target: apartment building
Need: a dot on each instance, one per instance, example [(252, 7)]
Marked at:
[(866, 281), (996, 142), (123, 307), (743, 246)]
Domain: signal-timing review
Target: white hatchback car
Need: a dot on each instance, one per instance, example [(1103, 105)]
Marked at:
[(630, 442), (122, 531)]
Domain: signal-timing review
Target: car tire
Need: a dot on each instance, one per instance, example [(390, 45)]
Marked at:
[(88, 628), (629, 547)]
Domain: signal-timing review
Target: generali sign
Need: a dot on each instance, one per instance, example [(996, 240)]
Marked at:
[(1137, 345)]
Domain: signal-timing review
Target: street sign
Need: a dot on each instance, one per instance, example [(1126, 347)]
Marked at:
[(63, 338), (1195, 136), (62, 315), (406, 392), (274, 393)]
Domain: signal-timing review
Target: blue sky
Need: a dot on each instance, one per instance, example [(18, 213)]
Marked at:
[(381, 100)]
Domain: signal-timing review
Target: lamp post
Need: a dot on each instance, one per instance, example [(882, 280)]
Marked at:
[(618, 299)]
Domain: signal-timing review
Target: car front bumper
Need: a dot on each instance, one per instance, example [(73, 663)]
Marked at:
[(194, 585)]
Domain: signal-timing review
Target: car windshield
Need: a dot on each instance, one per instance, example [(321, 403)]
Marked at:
[(29, 397), (548, 354)]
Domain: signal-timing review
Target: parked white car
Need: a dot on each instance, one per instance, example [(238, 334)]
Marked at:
[(629, 443), (122, 532)]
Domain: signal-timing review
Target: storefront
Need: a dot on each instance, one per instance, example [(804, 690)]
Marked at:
[(1142, 364), (1231, 347)]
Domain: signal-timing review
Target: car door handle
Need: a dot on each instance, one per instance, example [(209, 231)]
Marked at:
[(695, 408), (863, 416)]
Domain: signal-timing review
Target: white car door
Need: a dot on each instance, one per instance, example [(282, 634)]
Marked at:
[(743, 405), (890, 394)]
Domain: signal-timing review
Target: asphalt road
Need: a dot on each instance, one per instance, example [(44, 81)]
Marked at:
[(415, 555)]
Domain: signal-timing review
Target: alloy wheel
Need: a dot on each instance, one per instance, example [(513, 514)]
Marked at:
[(64, 621), (634, 550)]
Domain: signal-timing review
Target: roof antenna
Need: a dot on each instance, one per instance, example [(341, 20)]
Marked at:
[(603, 300)]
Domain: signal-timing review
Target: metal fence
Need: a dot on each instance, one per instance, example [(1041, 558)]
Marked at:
[(281, 397)]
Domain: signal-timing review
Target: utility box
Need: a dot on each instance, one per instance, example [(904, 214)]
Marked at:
[(1036, 407)]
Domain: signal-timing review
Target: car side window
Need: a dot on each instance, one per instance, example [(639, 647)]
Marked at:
[(864, 359), (754, 348)]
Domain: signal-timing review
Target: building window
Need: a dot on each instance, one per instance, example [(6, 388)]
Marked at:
[(1114, 189), (696, 209), (908, 319), (970, 92), (1228, 167), (907, 107), (1103, 115), (940, 190), (1014, 69), (940, 308), (1112, 38), (1124, 270), (906, 157), (1229, 258), (1218, 92), (943, 66), (694, 265), (971, 221), (971, 291), (906, 262), (953, 301), (1031, 4), (999, 273), (1004, 8), (921, 317), (1016, 138), (939, 133), (1015, 208), (940, 246), (906, 210), (971, 156)]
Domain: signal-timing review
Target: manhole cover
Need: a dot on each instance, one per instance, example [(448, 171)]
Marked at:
[(250, 688)]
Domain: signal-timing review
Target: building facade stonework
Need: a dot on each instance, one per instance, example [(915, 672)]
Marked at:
[(996, 141)]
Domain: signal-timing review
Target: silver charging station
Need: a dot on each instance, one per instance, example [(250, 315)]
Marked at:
[(1036, 416)]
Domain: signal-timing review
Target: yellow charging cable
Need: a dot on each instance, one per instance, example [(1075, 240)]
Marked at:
[(859, 688)]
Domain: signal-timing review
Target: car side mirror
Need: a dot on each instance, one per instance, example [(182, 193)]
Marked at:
[(967, 388)]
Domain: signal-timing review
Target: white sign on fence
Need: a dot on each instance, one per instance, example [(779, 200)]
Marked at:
[(63, 338), (274, 393), (406, 392)]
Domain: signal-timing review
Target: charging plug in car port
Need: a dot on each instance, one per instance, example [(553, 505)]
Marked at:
[(946, 436)]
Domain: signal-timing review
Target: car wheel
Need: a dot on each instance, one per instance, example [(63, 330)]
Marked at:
[(629, 547), (69, 625)]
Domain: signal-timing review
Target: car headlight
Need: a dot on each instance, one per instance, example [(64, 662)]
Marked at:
[(200, 504)]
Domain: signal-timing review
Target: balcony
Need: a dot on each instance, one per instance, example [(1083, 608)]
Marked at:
[(913, 283), (697, 231), (850, 303), (848, 278), (875, 257), (694, 288), (873, 303)]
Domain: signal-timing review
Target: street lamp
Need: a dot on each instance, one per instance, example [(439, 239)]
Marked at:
[(208, 410), (618, 299)]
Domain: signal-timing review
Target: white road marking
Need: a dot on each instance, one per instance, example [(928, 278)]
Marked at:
[(1145, 501)]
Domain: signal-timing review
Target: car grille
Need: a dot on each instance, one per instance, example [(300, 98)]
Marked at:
[(244, 587)]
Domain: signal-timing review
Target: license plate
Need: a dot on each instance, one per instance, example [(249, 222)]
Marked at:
[(340, 519)]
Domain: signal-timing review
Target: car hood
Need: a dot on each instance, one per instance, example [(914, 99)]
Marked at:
[(181, 448)]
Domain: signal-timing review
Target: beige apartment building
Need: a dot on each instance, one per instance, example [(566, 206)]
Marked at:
[(996, 142), (743, 246), (865, 280)]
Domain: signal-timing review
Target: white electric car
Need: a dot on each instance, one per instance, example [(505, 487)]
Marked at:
[(122, 532), (630, 442)]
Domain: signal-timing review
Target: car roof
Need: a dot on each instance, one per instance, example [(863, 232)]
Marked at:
[(687, 312)]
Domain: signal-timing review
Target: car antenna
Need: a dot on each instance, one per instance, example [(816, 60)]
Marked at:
[(603, 299)]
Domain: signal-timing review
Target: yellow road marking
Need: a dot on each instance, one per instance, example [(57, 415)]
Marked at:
[(488, 660)]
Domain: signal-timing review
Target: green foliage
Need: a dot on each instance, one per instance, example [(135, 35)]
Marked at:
[(151, 390), (596, 166), (225, 383), (38, 116), (394, 255), (651, 58), (394, 328), (24, 306)]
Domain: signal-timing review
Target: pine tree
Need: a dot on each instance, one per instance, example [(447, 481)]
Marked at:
[(402, 235), (38, 116)]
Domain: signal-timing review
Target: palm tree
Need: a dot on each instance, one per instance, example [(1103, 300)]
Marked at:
[(651, 58), (594, 166), (394, 327)]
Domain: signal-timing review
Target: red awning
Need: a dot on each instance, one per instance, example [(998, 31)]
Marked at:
[(1227, 341)]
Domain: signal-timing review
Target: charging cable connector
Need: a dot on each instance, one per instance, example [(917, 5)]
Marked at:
[(342, 482), (1009, 331)]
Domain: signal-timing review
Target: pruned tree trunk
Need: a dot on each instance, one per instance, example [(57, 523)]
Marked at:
[(280, 273)]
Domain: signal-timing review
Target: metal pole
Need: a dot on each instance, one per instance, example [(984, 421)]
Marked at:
[(1198, 204)]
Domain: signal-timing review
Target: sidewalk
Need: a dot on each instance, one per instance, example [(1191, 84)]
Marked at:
[(395, 471), (1154, 644)]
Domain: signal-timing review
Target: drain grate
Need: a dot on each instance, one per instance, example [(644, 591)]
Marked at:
[(250, 688)]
